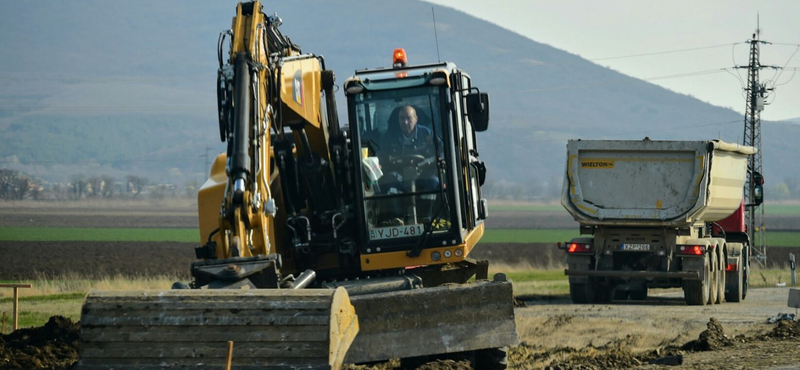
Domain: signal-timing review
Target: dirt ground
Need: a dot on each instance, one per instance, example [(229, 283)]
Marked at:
[(555, 334), (629, 334)]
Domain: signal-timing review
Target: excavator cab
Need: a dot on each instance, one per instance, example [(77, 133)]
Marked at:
[(412, 129)]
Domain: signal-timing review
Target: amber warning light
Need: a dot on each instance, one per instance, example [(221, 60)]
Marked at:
[(399, 58)]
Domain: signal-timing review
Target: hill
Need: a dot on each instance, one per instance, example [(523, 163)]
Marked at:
[(128, 87)]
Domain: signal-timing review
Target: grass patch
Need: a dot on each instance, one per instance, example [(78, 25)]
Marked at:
[(774, 238), (46, 298), (782, 209), (98, 234), (64, 296), (783, 238), (528, 235), (526, 207), (769, 277)]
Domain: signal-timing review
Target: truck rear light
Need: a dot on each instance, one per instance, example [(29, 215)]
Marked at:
[(579, 248), (692, 250), (732, 267)]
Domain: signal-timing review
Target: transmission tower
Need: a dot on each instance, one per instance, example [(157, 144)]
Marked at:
[(756, 96)]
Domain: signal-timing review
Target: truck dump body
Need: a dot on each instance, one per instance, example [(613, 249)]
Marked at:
[(653, 183)]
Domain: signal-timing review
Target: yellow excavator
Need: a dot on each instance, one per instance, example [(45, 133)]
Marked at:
[(322, 244)]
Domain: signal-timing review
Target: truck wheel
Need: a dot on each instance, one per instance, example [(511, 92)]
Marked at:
[(581, 293), (712, 291), (491, 359), (746, 281), (639, 294), (721, 275), (696, 292), (735, 284)]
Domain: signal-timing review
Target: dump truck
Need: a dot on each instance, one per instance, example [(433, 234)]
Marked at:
[(657, 214), (322, 244)]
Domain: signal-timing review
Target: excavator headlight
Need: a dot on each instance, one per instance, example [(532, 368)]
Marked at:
[(459, 252), (354, 89), (447, 253), (436, 81), (436, 256)]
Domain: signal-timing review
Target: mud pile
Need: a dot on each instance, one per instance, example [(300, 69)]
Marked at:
[(711, 339), (785, 330), (52, 346)]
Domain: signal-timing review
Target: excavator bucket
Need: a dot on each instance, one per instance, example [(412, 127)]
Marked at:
[(446, 319), (189, 329)]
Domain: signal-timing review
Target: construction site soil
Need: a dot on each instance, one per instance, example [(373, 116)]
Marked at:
[(56, 346), (658, 333)]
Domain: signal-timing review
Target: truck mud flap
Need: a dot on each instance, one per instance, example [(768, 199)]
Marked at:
[(430, 321), (189, 329)]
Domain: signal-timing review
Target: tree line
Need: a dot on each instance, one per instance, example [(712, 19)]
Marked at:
[(15, 185)]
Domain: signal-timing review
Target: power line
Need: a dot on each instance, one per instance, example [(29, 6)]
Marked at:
[(665, 77), (664, 52)]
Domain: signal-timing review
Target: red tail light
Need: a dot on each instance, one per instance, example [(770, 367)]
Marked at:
[(693, 250), (732, 267), (579, 248)]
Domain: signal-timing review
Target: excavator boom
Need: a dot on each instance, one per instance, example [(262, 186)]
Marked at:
[(311, 256)]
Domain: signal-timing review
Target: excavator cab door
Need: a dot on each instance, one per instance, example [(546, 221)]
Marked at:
[(404, 143)]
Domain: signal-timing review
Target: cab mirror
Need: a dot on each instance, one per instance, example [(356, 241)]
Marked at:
[(478, 110)]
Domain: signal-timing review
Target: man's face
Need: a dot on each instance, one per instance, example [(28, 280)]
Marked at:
[(407, 119)]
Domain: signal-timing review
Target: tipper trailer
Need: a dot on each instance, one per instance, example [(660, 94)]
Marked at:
[(660, 214)]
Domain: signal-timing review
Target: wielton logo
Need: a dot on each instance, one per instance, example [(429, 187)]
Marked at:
[(597, 164), (297, 87)]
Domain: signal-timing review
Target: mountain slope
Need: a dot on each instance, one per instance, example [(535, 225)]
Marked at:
[(124, 74)]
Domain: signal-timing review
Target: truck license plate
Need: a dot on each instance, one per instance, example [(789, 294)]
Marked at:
[(395, 232), (635, 247)]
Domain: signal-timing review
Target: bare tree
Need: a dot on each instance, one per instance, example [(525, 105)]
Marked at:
[(136, 184), (108, 186), (14, 185), (78, 183), (95, 186)]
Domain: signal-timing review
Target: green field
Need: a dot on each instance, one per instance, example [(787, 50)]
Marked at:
[(774, 238), (770, 209), (525, 207), (98, 234), (782, 209), (528, 235)]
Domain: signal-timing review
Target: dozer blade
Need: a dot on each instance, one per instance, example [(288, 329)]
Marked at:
[(431, 321), (189, 329)]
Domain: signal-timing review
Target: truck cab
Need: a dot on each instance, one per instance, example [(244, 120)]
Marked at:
[(413, 129)]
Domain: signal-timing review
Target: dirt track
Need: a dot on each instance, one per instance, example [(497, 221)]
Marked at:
[(548, 325)]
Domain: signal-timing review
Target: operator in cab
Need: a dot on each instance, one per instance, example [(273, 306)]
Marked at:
[(410, 155), (409, 158)]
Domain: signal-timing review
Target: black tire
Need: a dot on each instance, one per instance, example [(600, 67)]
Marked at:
[(721, 277), (620, 294), (639, 295), (746, 282), (734, 285), (712, 291), (696, 292), (581, 293), (602, 293), (491, 359)]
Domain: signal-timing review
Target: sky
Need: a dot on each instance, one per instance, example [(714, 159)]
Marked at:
[(690, 42)]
